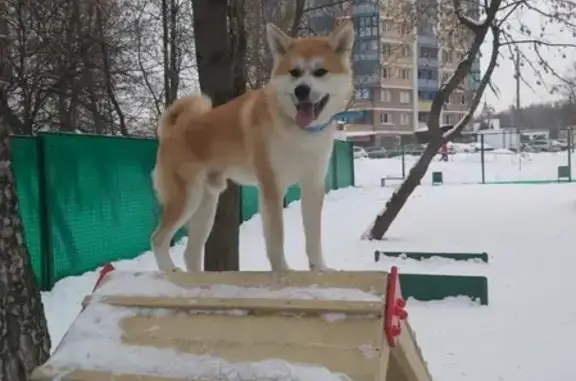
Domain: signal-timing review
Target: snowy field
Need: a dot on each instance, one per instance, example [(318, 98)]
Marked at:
[(527, 230), (466, 168)]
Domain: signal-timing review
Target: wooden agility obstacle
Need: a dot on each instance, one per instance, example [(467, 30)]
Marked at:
[(298, 325)]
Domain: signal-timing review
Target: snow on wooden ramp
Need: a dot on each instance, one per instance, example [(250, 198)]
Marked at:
[(240, 326)]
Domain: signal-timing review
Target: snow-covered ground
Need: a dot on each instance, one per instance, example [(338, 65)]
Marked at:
[(466, 168), (527, 230)]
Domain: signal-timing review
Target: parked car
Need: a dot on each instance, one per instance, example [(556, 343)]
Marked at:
[(539, 145), (377, 152), (359, 152), (560, 144)]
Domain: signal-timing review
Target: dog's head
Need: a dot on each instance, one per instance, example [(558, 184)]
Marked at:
[(312, 76)]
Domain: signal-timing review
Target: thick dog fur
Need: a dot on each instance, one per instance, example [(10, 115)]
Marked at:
[(253, 140)]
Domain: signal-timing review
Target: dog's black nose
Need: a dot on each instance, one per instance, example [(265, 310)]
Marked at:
[(302, 92)]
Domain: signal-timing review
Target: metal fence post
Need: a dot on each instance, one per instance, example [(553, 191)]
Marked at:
[(482, 163), (403, 161), (569, 150), (44, 213)]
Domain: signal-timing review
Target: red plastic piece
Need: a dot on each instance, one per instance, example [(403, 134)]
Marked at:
[(394, 306), (105, 270)]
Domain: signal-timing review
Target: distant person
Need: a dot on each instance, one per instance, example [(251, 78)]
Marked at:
[(444, 152)]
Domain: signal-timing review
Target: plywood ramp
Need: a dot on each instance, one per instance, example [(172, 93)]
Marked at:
[(224, 326)]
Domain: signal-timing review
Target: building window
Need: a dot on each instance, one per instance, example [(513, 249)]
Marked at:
[(426, 95), (446, 76), (404, 97), (386, 50), (404, 119), (404, 73), (385, 72), (447, 56), (384, 118), (386, 26), (366, 51), (463, 99), (429, 53), (385, 95), (367, 26), (447, 119), (406, 51), (427, 74), (362, 94)]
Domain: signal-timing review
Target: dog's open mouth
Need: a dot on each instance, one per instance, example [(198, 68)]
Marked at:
[(307, 112)]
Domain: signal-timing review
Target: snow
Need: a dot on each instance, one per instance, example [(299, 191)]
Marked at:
[(154, 284), (99, 325), (466, 168), (524, 334)]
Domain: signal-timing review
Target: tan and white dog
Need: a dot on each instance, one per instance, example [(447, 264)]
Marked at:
[(271, 137)]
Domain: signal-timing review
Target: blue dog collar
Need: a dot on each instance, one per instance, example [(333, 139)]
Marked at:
[(322, 127)]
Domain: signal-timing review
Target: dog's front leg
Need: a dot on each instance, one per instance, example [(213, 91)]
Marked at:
[(312, 201), (271, 208)]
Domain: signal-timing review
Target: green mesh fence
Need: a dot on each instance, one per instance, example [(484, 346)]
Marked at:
[(88, 200)]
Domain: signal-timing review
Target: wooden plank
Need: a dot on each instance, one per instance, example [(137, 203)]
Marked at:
[(93, 375), (253, 305), (406, 357), (45, 373), (348, 332), (367, 281)]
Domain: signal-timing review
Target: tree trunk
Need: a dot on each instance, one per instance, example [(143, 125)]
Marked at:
[(400, 196), (220, 58), (393, 207), (24, 339)]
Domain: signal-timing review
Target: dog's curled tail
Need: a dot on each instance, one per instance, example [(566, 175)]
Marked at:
[(192, 105)]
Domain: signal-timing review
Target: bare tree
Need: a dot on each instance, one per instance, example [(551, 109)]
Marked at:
[(220, 51), (507, 32)]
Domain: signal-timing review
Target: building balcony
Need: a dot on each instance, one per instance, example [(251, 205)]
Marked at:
[(428, 62), (424, 105), (365, 9), (427, 40), (359, 127), (427, 83), (366, 80)]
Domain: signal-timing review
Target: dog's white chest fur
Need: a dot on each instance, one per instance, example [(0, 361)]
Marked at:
[(291, 156)]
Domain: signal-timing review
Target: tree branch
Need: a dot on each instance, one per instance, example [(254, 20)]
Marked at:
[(481, 87)]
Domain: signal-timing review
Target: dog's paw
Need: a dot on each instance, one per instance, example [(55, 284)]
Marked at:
[(321, 268), (176, 270)]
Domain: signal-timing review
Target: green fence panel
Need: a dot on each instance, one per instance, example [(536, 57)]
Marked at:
[(101, 203), (344, 164), (329, 183), (25, 168), (248, 202), (87, 200), (293, 194)]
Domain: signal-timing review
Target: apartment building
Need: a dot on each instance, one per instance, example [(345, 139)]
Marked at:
[(400, 61)]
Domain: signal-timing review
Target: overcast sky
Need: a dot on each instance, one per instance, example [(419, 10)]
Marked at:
[(503, 76)]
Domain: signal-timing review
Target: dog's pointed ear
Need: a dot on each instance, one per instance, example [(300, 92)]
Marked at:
[(278, 41), (342, 38)]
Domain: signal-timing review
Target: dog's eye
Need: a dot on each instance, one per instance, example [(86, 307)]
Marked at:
[(320, 72), (295, 73)]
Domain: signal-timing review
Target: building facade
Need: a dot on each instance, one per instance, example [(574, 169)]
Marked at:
[(400, 60)]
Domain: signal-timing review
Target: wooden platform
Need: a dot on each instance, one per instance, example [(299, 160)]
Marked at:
[(236, 326)]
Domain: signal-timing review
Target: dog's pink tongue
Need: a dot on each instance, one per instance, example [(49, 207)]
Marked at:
[(305, 115)]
